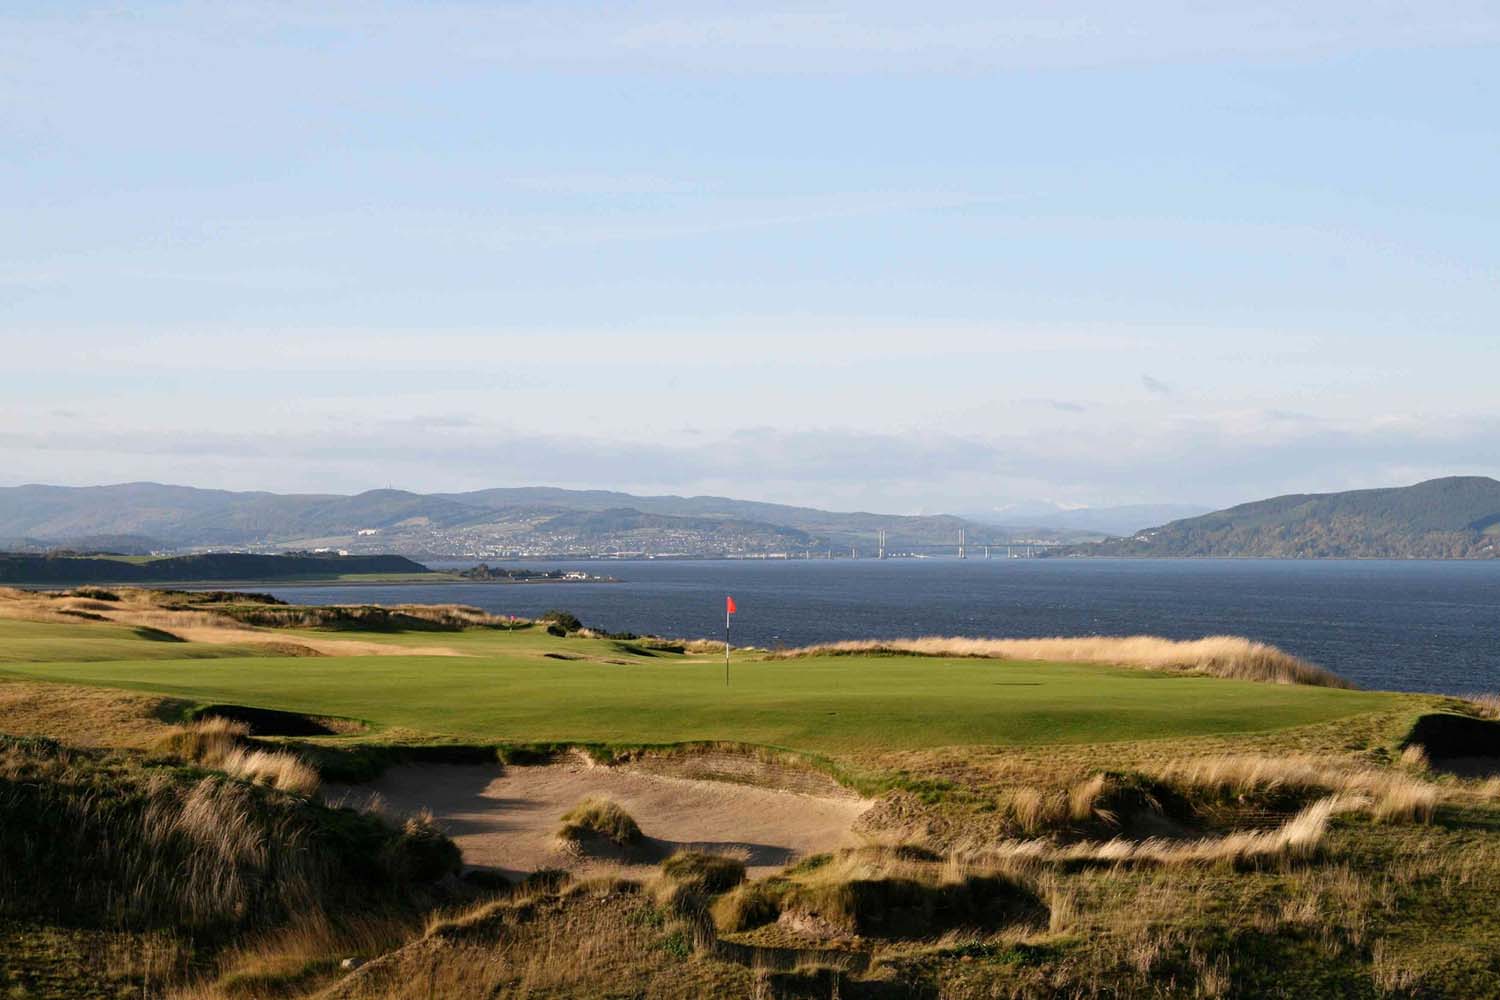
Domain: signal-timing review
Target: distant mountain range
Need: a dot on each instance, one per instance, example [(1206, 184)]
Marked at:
[(1123, 520), (496, 523), (1453, 518)]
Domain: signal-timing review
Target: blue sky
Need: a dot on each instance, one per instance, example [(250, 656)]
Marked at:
[(893, 256)]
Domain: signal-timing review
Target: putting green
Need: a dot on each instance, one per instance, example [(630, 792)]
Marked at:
[(512, 687)]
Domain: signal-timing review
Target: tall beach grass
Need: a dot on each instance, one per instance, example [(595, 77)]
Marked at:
[(1226, 656)]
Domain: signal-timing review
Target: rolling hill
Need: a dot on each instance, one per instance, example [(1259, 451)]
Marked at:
[(1452, 518), (534, 521)]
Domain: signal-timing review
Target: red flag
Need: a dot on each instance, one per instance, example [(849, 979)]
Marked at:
[(729, 605)]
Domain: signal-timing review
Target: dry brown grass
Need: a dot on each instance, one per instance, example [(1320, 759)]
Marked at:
[(275, 768), (1415, 757), (1218, 656), (1388, 795), (84, 716), (598, 817), (219, 743), (1083, 799), (299, 958), (163, 612), (1297, 838), (102, 840), (1035, 810), (1487, 704), (596, 939)]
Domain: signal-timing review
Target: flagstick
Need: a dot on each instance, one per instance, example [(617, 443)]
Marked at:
[(726, 644)]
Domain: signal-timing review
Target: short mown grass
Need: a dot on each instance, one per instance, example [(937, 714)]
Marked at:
[(504, 687)]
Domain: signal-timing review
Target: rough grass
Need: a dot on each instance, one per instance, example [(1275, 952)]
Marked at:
[(592, 940), (94, 839), (220, 743), (709, 874), (1488, 705), (598, 817), (85, 716), (1387, 794), (1217, 656)]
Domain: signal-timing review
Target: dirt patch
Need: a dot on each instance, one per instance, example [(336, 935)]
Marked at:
[(506, 818)]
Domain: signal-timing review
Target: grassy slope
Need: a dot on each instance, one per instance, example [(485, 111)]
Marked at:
[(508, 689)]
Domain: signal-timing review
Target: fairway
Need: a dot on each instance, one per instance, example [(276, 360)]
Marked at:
[(511, 687)]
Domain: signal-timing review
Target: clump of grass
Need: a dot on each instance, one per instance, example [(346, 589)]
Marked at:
[(749, 905), (1297, 838), (275, 768), (1415, 757), (1487, 704), (1218, 655), (1387, 794), (423, 853), (596, 817), (220, 743), (1034, 810), (1405, 800), (905, 906), (205, 741), (709, 874), (1084, 797)]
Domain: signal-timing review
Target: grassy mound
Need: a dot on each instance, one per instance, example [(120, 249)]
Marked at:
[(906, 906), (1225, 656), (220, 743), (709, 874), (882, 892), (94, 839), (600, 818)]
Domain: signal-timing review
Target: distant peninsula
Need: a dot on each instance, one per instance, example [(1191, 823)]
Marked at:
[(69, 568), (1457, 517)]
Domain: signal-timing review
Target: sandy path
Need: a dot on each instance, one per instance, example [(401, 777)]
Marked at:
[(505, 818)]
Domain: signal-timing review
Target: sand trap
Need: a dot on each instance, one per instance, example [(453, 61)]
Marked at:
[(505, 819)]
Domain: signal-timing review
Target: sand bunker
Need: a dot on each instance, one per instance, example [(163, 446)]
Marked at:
[(506, 818)]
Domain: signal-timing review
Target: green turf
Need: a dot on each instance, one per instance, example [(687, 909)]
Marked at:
[(510, 690), (37, 642)]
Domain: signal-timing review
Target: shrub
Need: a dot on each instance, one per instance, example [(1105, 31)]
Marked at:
[(566, 619), (96, 594), (710, 874), (599, 818)]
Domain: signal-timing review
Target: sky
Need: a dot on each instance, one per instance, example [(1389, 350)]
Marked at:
[(889, 256)]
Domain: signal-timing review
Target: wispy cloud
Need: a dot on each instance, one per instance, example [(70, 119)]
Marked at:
[(1156, 386)]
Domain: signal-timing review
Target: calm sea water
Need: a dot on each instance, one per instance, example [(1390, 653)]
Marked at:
[(1417, 626)]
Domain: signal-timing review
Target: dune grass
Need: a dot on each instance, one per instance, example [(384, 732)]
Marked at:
[(705, 873), (1225, 656), (595, 817)]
